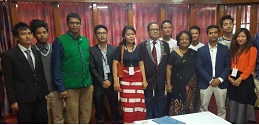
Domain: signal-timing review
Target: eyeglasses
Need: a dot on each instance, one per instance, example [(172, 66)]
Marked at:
[(153, 30), (101, 33), (73, 23)]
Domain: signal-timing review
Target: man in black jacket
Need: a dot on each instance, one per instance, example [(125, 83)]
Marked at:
[(101, 71), (154, 53), (24, 78)]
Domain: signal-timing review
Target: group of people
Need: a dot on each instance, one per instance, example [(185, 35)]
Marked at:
[(187, 72)]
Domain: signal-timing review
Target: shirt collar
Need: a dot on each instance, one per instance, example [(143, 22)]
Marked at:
[(151, 41), (77, 38), (213, 47), (100, 47), (23, 48)]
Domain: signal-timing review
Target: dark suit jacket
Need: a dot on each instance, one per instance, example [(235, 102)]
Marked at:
[(22, 84), (96, 65), (204, 66), (155, 77)]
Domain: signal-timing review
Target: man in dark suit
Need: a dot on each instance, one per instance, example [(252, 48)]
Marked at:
[(213, 66), (154, 53), (100, 68), (24, 78)]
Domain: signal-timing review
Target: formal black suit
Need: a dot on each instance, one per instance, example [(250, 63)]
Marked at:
[(97, 72), (26, 86), (156, 77)]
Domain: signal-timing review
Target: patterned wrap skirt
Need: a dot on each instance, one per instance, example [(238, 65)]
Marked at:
[(132, 96)]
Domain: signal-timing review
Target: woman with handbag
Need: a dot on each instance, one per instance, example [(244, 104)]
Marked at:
[(241, 90), (129, 80)]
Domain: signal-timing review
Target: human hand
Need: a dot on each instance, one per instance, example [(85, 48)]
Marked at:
[(14, 106), (117, 87), (63, 94), (169, 87), (144, 84), (106, 84), (215, 82)]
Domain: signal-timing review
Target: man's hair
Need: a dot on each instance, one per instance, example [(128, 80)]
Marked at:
[(73, 15), (19, 26), (36, 23), (148, 26), (98, 27), (165, 21), (226, 17), (195, 27), (212, 26)]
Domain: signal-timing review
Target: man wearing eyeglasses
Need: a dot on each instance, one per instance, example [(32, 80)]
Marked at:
[(71, 73), (154, 53), (101, 71)]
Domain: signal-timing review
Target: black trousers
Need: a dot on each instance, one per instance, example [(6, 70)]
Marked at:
[(99, 104), (33, 112)]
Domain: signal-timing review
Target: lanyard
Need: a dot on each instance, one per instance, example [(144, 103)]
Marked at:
[(104, 55), (130, 55)]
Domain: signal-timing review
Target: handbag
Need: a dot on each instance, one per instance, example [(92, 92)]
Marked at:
[(120, 66)]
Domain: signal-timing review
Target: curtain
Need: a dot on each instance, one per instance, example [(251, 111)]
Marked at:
[(257, 20), (205, 16), (245, 16), (37, 10), (114, 17), (144, 14), (231, 10), (86, 13), (6, 38), (6, 42), (178, 14)]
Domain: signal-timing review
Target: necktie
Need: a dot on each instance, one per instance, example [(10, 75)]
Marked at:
[(154, 53), (28, 52)]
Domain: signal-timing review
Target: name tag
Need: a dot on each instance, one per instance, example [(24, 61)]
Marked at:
[(131, 71), (106, 69), (234, 72)]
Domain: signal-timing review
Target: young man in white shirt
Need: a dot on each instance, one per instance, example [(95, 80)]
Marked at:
[(195, 32), (166, 28), (227, 24)]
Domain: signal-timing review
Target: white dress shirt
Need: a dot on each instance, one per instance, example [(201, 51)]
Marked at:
[(213, 55), (23, 49)]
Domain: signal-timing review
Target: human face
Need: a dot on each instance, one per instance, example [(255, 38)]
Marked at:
[(227, 26), (213, 34), (101, 35), (167, 29), (130, 36), (24, 37), (195, 34), (241, 38), (73, 25), (41, 35), (153, 31), (184, 41)]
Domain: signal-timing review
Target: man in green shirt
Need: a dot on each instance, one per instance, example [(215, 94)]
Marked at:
[(70, 61)]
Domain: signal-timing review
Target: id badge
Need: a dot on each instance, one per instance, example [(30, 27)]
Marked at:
[(106, 69), (131, 71), (234, 72)]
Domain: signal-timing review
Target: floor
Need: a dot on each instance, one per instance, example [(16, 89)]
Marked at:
[(12, 120)]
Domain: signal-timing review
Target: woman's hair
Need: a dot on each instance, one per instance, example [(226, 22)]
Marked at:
[(128, 27), (181, 33), (234, 46)]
